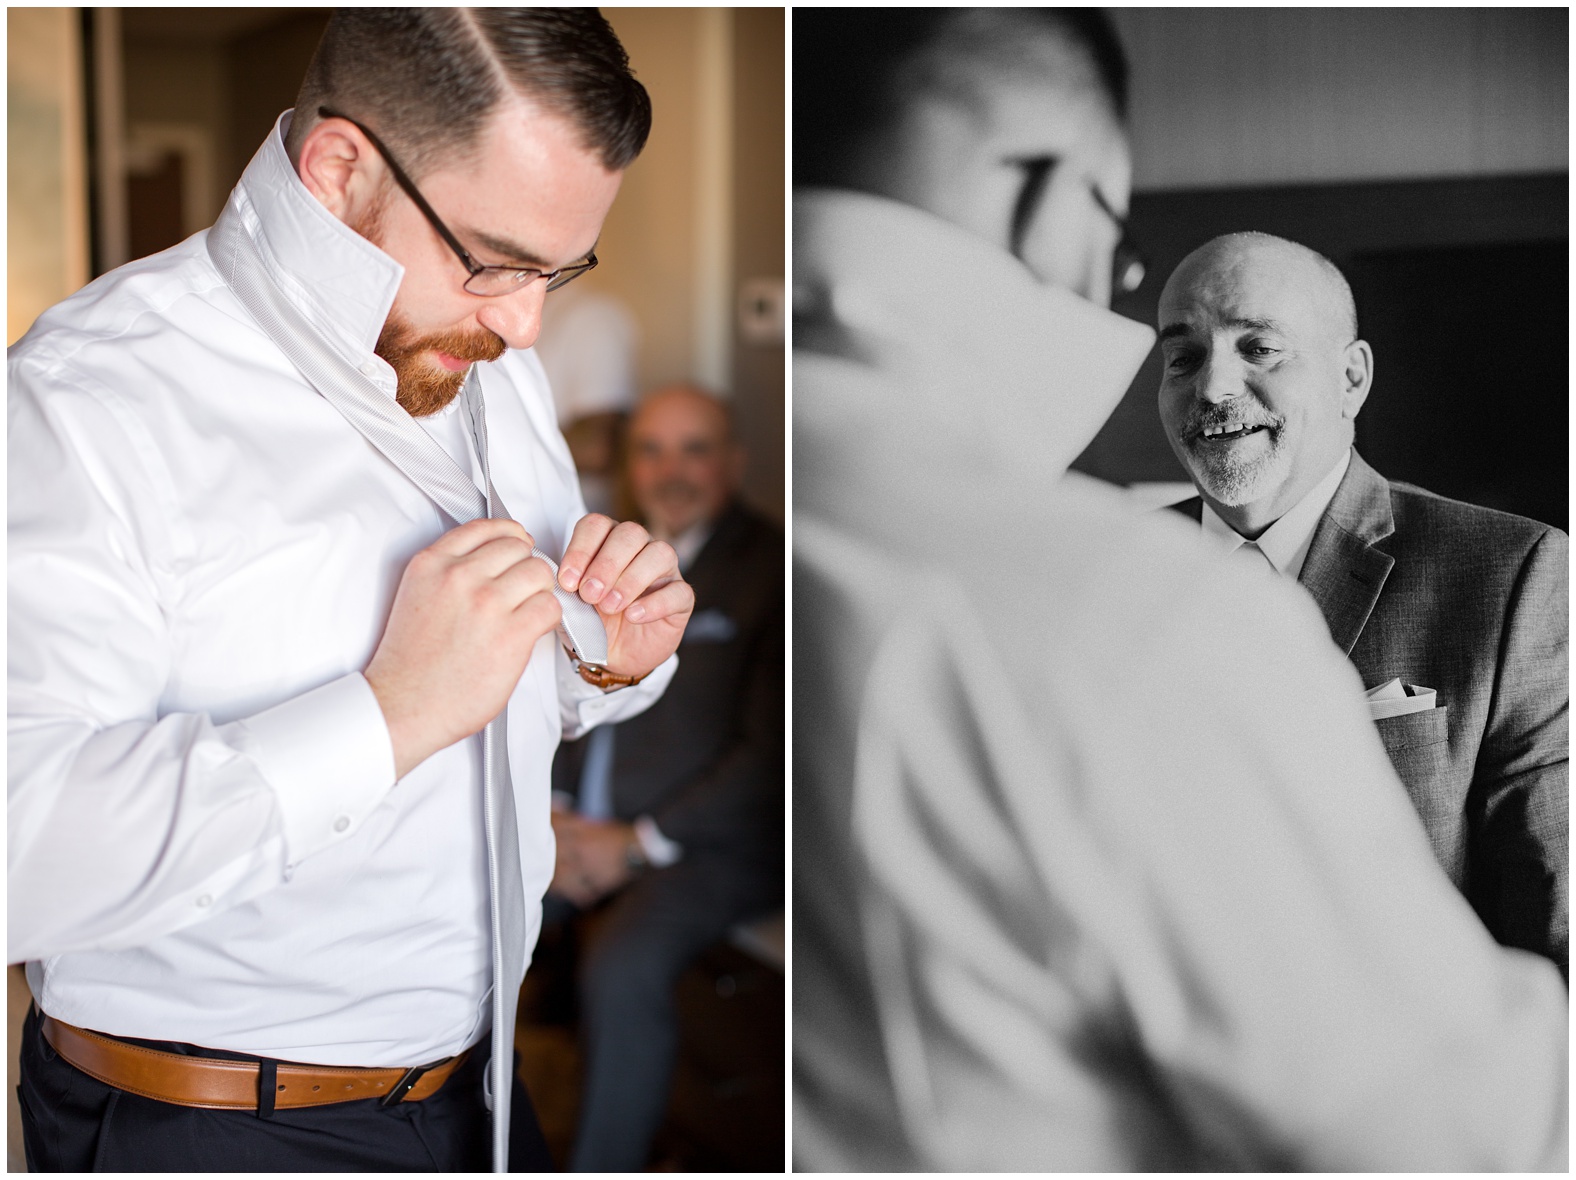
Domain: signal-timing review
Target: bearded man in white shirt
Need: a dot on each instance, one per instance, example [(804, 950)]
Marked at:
[(266, 864), (1098, 862)]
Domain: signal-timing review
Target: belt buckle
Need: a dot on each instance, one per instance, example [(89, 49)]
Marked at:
[(406, 1083), (408, 1080)]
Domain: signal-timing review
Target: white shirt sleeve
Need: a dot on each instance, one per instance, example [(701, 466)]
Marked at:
[(1183, 845), (125, 821), (584, 706)]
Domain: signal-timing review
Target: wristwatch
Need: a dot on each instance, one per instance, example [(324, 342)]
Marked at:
[(598, 675)]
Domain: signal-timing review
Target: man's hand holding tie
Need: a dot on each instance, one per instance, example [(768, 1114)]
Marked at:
[(471, 606), (635, 583)]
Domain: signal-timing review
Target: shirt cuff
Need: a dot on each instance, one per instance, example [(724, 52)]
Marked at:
[(660, 852), (584, 706), (328, 757)]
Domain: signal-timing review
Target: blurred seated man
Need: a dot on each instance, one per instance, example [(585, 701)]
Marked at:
[(674, 825)]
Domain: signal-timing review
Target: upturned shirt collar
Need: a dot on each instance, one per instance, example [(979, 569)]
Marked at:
[(972, 373), (342, 282), (1286, 542)]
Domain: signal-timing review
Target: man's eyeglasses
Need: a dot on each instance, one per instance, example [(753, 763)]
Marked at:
[(484, 280), (1127, 267)]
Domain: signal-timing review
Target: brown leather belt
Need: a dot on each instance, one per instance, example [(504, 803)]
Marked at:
[(235, 1085)]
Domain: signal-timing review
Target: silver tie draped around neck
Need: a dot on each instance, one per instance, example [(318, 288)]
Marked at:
[(387, 426)]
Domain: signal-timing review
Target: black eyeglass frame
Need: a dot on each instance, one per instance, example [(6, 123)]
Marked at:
[(1037, 172), (555, 278), (1127, 254)]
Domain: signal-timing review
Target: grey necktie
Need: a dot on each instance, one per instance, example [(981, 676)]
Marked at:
[(415, 453)]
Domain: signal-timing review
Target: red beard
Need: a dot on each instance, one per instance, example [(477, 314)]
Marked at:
[(423, 385)]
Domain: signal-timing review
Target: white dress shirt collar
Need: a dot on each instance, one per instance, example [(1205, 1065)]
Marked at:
[(1286, 542), (985, 378), (344, 282)]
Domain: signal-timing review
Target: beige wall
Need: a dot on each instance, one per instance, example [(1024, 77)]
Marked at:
[(701, 212), (760, 224), (46, 185), (1254, 96), (651, 242)]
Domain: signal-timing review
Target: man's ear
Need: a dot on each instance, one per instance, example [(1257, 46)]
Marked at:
[(1357, 373), (340, 168)]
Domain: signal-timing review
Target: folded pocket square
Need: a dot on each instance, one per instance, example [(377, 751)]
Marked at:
[(710, 626), (1394, 699)]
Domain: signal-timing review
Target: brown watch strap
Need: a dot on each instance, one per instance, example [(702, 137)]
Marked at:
[(601, 677)]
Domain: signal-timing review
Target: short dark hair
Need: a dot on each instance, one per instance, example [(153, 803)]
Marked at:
[(847, 61), (425, 79)]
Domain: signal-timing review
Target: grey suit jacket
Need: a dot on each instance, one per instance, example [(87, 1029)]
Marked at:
[(1472, 603)]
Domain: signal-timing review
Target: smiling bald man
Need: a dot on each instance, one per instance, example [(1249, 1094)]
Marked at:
[(1263, 376)]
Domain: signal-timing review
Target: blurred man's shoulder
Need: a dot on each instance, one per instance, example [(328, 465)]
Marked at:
[(1098, 578)]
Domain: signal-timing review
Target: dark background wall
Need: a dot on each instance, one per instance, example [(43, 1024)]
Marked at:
[(1425, 152)]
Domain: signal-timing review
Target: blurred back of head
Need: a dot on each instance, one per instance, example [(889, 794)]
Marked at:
[(425, 79), (857, 69), (1006, 122)]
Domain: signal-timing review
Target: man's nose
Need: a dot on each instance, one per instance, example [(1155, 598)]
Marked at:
[(1219, 379), (516, 317)]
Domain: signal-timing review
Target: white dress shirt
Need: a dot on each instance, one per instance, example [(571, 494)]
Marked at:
[(1100, 864), (1285, 543), (206, 840)]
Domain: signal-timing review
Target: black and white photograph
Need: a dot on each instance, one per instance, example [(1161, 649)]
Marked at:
[(1180, 608)]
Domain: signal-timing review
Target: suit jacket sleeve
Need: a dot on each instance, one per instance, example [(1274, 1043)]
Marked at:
[(1520, 790), (741, 793)]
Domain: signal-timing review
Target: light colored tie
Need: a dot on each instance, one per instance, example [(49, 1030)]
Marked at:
[(420, 457), (505, 886)]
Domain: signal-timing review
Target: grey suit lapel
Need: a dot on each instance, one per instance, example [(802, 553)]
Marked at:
[(1345, 570)]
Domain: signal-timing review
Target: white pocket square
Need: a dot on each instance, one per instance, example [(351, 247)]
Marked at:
[(1394, 699), (710, 626)]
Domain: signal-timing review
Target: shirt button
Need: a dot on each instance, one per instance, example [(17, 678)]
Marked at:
[(370, 369), (341, 823), (205, 900)]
